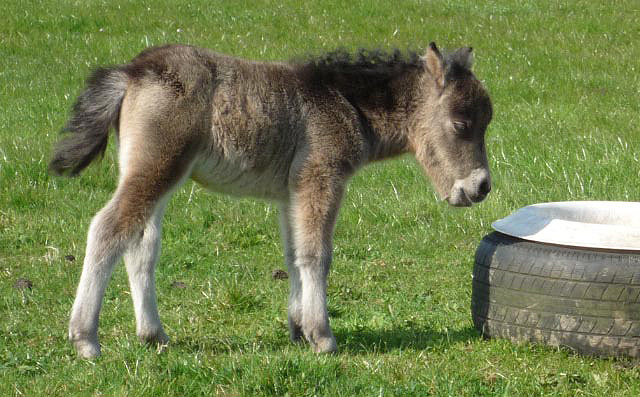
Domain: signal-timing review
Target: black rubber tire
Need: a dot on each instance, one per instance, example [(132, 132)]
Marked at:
[(587, 300)]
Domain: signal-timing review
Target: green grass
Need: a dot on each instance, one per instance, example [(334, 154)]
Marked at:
[(564, 78)]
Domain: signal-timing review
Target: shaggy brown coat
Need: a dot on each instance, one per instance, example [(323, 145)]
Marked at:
[(290, 132)]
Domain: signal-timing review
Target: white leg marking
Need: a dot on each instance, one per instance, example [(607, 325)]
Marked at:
[(295, 287), (103, 251), (140, 260), (312, 232), (315, 316)]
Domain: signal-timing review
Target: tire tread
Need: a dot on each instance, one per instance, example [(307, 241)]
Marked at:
[(560, 296)]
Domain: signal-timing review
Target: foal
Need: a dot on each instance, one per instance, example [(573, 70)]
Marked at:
[(289, 132)]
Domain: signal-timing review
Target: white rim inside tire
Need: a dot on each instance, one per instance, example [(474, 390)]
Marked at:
[(590, 224)]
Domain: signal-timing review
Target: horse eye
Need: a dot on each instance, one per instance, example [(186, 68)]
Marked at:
[(461, 126)]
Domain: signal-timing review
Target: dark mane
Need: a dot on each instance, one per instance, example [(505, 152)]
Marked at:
[(375, 64), (367, 75)]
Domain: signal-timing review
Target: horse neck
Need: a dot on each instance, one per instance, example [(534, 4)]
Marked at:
[(387, 127)]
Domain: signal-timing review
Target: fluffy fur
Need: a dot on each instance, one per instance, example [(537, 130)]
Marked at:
[(291, 132)]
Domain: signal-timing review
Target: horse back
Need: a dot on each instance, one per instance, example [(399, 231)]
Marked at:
[(247, 127)]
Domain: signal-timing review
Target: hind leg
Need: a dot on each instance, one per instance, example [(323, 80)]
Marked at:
[(105, 244), (129, 224), (140, 259)]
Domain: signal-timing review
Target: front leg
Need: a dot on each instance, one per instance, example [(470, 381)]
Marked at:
[(314, 209), (294, 312)]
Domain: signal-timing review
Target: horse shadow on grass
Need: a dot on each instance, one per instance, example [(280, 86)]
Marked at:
[(367, 341), (362, 341)]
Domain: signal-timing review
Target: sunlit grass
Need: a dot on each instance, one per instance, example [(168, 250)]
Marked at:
[(564, 81)]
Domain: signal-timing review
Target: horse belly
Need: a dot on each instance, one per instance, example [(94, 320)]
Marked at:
[(237, 178)]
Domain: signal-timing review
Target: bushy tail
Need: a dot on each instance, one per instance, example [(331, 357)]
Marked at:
[(94, 113)]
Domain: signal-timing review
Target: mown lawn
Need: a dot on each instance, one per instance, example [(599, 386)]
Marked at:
[(564, 78)]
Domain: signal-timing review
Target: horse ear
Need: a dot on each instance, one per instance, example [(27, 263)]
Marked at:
[(465, 57), (435, 64)]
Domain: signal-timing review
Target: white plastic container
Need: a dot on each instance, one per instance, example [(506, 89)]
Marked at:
[(611, 225)]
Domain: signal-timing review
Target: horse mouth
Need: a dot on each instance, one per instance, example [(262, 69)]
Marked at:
[(459, 197)]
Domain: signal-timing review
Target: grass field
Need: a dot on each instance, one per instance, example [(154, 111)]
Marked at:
[(564, 78)]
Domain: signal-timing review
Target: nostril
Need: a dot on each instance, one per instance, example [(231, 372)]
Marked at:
[(485, 187)]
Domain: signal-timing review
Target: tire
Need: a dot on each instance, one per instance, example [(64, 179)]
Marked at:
[(587, 300)]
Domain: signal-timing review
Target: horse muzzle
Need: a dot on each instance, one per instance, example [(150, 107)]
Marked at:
[(472, 189)]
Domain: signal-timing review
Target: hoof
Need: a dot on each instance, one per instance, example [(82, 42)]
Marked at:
[(87, 349), (325, 345), (295, 332), (157, 339), (322, 342)]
